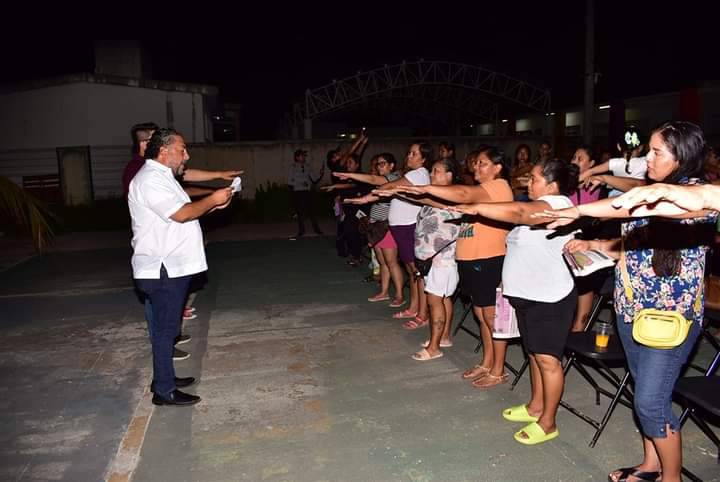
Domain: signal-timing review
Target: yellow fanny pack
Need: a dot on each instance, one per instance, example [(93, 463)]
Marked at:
[(657, 328)]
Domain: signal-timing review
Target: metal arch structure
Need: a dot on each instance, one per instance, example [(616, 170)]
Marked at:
[(416, 76)]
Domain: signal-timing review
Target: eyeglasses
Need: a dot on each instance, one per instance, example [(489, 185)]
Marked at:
[(381, 163)]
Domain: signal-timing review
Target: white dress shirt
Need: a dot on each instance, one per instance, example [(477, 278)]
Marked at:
[(154, 196)]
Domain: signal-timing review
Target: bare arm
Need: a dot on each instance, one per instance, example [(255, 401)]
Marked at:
[(623, 184), (425, 201), (195, 191), (333, 187), (457, 193), (687, 198), (604, 208), (595, 170), (611, 247), (373, 179), (510, 212), (200, 175), (194, 210)]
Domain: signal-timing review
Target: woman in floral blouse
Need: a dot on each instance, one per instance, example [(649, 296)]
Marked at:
[(665, 263)]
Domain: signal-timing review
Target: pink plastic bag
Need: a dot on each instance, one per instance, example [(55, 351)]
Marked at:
[(505, 325)]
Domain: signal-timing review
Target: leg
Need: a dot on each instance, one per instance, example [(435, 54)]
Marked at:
[(553, 381), (584, 306), (423, 309), (299, 211), (484, 366), (396, 274), (311, 213), (167, 298), (448, 306), (536, 405), (486, 327), (413, 287), (384, 273), (437, 322)]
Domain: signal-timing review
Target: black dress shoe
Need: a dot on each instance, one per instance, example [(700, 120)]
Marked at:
[(179, 383), (184, 382), (176, 397)]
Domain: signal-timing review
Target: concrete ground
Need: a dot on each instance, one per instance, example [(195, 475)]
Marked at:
[(301, 380)]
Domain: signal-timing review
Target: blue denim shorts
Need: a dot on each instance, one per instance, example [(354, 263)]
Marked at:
[(655, 373)]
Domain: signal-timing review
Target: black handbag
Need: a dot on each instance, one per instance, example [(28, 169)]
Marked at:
[(422, 266), (376, 232)]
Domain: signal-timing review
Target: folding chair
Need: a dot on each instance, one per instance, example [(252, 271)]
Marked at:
[(581, 351), (467, 310), (700, 397)]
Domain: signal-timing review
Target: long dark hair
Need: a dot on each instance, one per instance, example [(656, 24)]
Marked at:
[(686, 143), (497, 156), (565, 174), (451, 166)]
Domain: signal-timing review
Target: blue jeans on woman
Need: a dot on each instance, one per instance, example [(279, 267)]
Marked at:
[(167, 301), (655, 373)]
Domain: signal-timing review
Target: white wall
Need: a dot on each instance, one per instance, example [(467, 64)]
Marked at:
[(93, 114)]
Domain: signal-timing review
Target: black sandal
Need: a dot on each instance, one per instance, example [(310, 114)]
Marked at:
[(634, 472)]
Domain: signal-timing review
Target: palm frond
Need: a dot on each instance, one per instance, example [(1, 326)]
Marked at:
[(27, 212)]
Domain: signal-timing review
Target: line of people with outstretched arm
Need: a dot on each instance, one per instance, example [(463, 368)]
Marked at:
[(483, 224)]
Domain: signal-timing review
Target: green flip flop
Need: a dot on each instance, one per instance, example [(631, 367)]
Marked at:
[(535, 434), (518, 413)]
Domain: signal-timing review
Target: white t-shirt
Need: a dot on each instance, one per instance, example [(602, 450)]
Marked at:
[(153, 198), (403, 213), (637, 167), (534, 268)]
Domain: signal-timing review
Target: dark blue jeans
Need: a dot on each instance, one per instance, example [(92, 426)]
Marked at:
[(167, 299), (655, 373)]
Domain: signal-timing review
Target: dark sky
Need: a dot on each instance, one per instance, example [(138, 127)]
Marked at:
[(266, 61)]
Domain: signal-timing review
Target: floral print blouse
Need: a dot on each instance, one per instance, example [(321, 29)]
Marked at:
[(692, 237), (434, 230)]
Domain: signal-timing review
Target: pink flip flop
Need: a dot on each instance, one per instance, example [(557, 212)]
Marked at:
[(376, 298), (415, 323), (404, 314)]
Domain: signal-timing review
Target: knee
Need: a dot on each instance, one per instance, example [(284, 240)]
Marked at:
[(548, 363)]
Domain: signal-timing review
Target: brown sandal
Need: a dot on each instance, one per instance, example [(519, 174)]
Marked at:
[(490, 380), (475, 372)]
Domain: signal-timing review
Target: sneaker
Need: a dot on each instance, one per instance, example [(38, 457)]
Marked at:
[(182, 339), (180, 355)]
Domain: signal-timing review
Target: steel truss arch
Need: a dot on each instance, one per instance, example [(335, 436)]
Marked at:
[(416, 77)]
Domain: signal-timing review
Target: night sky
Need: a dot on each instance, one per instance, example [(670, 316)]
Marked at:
[(265, 61)]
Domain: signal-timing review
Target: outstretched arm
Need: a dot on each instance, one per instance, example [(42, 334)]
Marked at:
[(623, 184), (457, 193), (677, 199), (512, 212), (373, 179), (595, 170), (200, 175)]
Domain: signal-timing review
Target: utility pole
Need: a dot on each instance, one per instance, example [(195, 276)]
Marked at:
[(589, 71)]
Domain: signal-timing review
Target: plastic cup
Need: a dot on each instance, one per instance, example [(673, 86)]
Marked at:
[(602, 335)]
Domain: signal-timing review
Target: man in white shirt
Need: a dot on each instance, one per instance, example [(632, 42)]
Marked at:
[(301, 179), (167, 250)]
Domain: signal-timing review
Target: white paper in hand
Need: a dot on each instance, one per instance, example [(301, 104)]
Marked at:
[(236, 185)]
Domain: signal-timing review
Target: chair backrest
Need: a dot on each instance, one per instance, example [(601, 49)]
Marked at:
[(604, 300)]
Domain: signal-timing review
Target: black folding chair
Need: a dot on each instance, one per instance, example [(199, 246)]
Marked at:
[(581, 352), (467, 309)]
